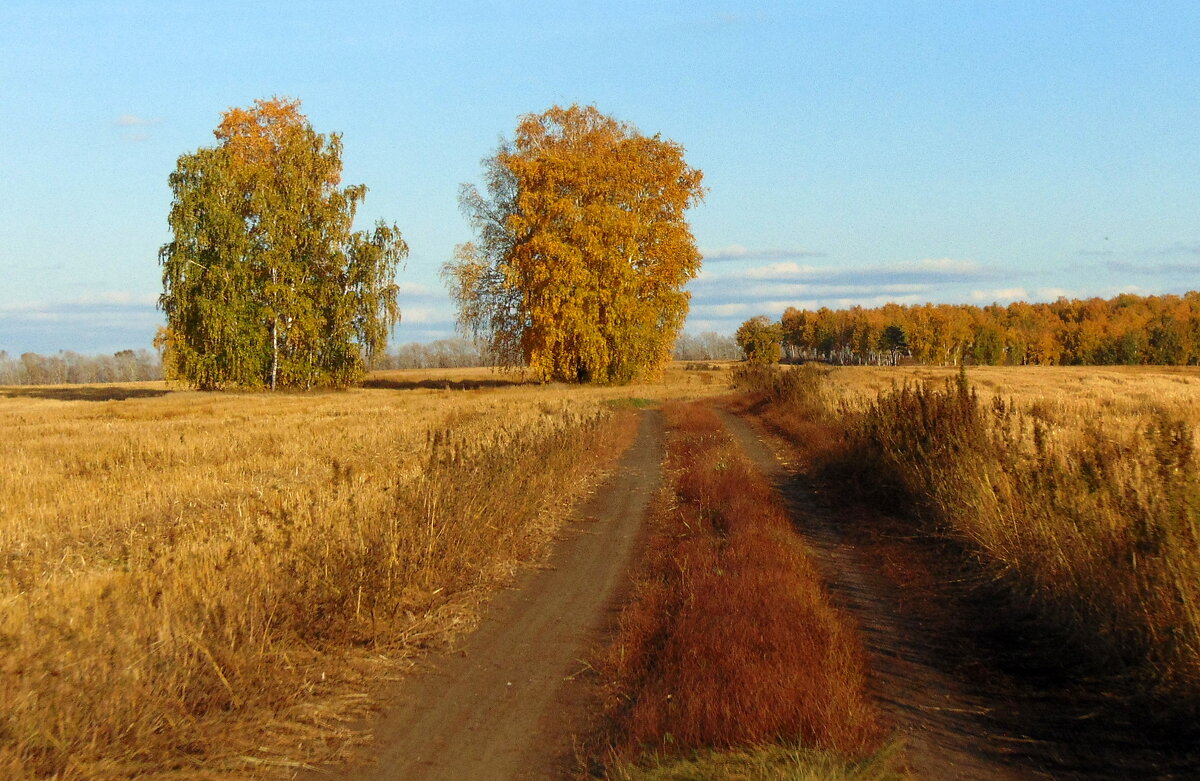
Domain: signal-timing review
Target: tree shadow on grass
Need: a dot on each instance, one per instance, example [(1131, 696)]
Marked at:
[(82, 393), (387, 384)]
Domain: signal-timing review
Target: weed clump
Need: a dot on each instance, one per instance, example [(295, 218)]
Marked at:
[(802, 389)]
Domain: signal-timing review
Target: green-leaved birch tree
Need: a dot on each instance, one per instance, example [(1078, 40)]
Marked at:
[(265, 282)]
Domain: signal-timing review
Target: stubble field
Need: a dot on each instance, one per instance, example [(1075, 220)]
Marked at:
[(203, 583)]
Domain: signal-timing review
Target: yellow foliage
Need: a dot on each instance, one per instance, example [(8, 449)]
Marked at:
[(583, 249)]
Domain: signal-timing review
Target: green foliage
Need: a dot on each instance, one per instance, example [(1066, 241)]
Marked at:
[(583, 249), (894, 342), (760, 340), (766, 763), (265, 284)]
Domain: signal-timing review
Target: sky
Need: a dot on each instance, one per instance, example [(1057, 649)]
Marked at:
[(854, 152)]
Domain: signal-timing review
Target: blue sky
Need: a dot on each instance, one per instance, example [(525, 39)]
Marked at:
[(855, 152)]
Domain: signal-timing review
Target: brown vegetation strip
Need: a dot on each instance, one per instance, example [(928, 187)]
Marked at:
[(940, 719), (730, 639)]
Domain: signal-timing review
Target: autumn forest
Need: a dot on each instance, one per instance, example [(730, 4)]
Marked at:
[(1126, 330)]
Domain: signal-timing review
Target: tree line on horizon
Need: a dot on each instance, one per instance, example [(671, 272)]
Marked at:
[(69, 368), (460, 353), (1127, 329)]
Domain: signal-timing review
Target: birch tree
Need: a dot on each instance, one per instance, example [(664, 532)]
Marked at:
[(265, 282), (760, 339), (582, 248)]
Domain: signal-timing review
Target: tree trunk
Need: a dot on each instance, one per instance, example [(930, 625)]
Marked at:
[(274, 350)]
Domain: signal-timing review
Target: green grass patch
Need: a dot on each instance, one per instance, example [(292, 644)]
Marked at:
[(766, 763), (632, 402)]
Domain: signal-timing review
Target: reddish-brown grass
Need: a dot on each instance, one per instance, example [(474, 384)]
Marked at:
[(731, 639)]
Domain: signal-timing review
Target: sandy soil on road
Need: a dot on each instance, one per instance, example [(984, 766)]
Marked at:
[(511, 701)]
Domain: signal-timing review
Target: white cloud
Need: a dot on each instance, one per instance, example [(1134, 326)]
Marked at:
[(117, 298), (928, 271), (418, 315), (784, 270), (720, 310), (113, 299), (413, 289), (133, 120), (426, 315), (1004, 294), (102, 322), (741, 252), (729, 292)]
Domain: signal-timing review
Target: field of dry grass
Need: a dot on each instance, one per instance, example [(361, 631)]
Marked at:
[(1076, 490), (205, 584), (731, 641), (1119, 392)]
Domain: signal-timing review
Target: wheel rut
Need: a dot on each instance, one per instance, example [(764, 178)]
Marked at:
[(959, 712), (511, 702)]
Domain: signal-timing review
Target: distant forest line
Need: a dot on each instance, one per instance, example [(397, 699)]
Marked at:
[(1125, 330), (72, 368)]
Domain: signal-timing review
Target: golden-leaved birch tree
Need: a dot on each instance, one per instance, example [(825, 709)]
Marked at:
[(582, 248), (265, 282)]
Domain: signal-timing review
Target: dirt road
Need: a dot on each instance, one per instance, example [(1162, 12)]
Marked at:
[(509, 703), (966, 709)]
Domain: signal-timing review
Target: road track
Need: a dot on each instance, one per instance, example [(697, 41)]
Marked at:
[(510, 702)]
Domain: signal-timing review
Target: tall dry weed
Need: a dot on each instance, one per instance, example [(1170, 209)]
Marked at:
[(1084, 509), (1097, 527)]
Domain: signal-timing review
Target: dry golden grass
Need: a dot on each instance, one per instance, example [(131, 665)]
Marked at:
[(1075, 391), (1076, 489), (199, 584)]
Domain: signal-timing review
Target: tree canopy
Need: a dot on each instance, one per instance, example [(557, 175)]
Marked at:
[(265, 282), (1127, 329), (761, 340), (582, 248)]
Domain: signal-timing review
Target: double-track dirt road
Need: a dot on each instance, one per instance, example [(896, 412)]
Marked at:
[(515, 700)]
